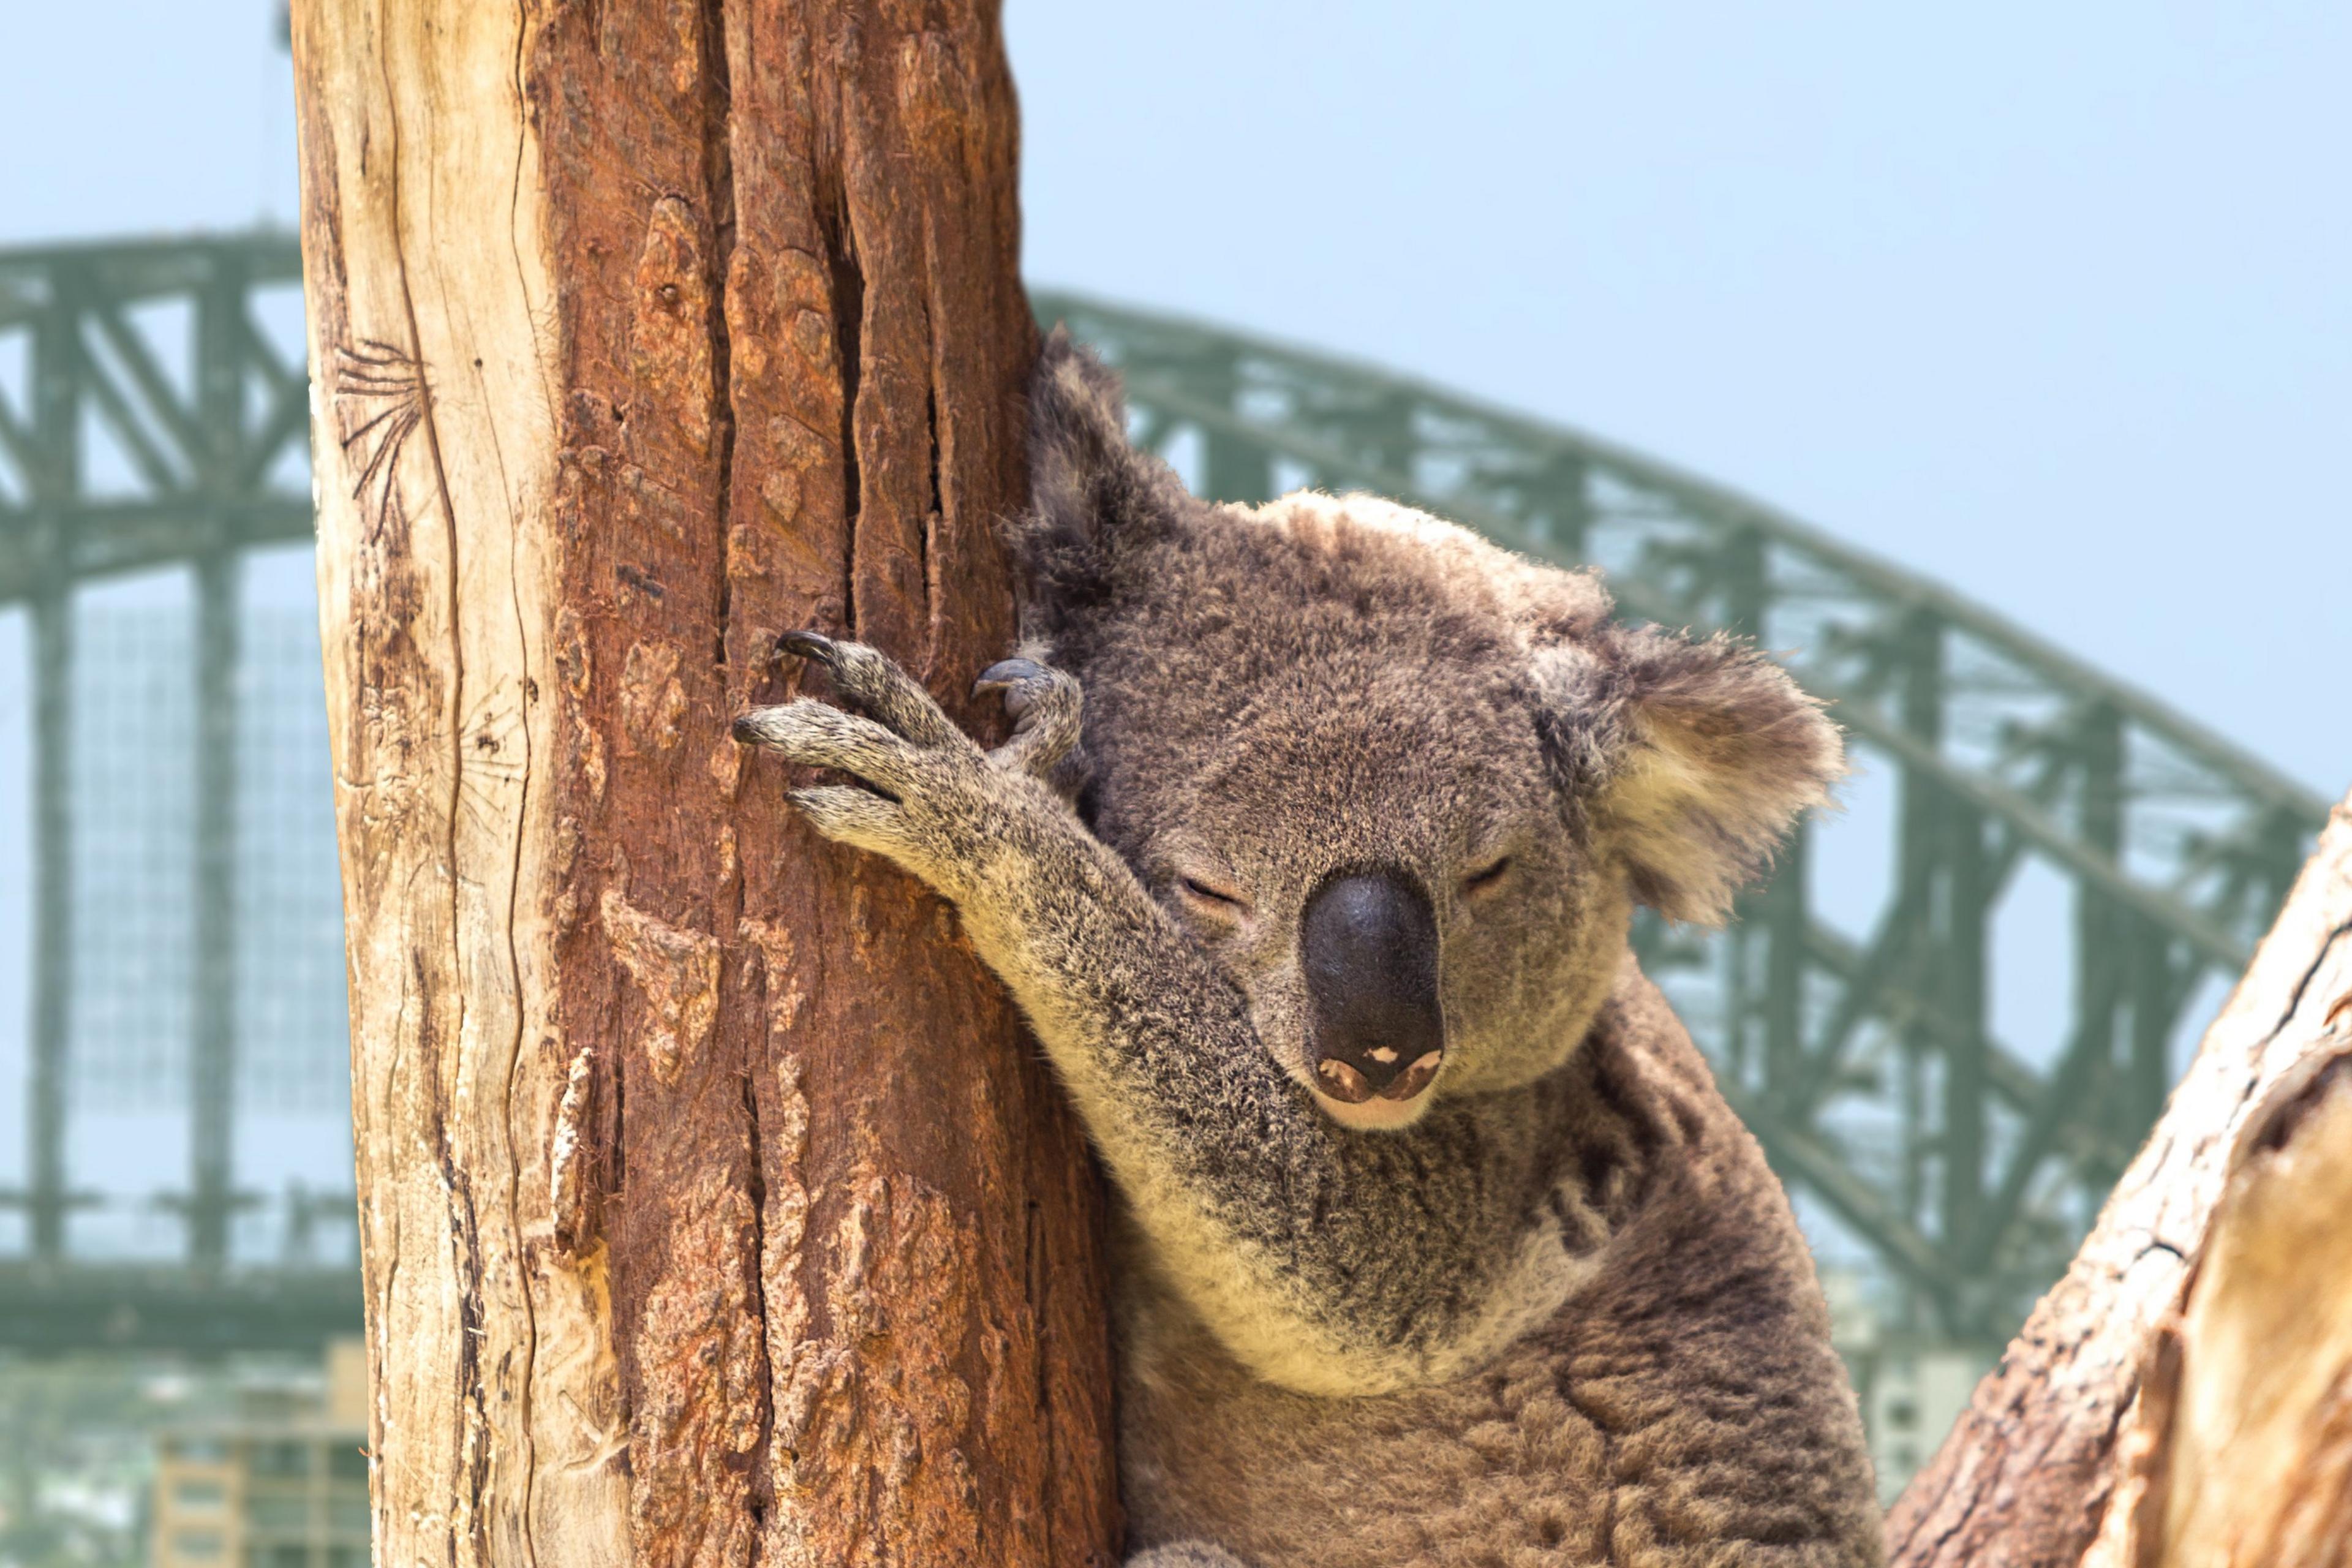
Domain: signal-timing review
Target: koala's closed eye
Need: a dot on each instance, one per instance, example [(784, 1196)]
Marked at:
[(1211, 898), (1486, 878)]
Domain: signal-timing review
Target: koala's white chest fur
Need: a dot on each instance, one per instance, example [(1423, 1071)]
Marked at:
[(1276, 1332)]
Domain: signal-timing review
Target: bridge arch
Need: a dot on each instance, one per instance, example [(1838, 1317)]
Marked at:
[(153, 413)]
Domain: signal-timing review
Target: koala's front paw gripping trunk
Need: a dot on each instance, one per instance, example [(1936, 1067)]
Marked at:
[(1365, 1261)]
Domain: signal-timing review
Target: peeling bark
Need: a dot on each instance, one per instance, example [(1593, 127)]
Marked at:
[(713, 1207), (2029, 1477)]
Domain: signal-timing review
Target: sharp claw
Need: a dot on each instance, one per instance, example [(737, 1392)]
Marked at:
[(1007, 672), (1019, 679), (807, 645)]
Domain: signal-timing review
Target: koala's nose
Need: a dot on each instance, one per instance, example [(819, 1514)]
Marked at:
[(1368, 944)]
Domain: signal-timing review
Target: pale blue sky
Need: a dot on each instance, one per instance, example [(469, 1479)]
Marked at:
[(2053, 301), (2047, 300)]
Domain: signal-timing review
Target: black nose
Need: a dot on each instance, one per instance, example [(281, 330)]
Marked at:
[(1368, 947)]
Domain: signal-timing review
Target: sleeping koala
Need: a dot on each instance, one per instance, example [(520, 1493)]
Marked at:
[(1435, 1242)]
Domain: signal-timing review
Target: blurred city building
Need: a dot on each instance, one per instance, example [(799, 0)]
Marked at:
[(1912, 1386), (282, 1482)]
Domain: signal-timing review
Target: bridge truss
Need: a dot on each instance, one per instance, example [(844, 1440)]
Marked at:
[(147, 420), (1860, 1050)]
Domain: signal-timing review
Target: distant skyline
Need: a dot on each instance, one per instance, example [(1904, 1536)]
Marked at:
[(2047, 302)]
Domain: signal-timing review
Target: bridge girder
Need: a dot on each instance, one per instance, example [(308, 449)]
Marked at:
[(1865, 1063)]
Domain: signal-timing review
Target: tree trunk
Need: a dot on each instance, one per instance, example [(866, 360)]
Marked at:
[(2147, 1338), (713, 1208)]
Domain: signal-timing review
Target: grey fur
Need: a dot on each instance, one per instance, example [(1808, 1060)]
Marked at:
[(1557, 1311)]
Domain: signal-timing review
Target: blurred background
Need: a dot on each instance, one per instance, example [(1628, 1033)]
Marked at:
[(1990, 366)]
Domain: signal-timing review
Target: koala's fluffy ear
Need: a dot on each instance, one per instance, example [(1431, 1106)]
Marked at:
[(1092, 497), (1693, 758)]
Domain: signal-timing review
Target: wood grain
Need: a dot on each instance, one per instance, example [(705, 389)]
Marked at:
[(714, 1208), (2238, 1453)]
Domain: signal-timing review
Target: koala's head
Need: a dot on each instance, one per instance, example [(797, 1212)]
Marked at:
[(1403, 786)]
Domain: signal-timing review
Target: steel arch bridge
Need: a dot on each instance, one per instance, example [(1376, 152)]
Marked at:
[(148, 420)]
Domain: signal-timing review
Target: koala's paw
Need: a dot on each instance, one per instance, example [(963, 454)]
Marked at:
[(927, 797), (1046, 707)]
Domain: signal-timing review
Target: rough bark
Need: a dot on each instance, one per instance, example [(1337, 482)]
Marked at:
[(712, 1207), (2029, 1477)]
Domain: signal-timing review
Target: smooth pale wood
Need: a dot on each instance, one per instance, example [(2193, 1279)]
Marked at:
[(712, 1205), (498, 1413), (2240, 1454), (2028, 1477)]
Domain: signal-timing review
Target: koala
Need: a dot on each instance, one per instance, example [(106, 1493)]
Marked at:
[(1310, 858)]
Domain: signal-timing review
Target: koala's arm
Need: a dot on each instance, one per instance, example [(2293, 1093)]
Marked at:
[(1326, 1260)]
